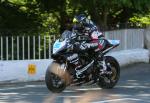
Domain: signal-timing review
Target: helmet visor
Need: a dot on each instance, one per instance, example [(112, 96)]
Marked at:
[(75, 20)]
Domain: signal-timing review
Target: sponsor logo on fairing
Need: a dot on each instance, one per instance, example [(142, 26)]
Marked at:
[(72, 57), (83, 69)]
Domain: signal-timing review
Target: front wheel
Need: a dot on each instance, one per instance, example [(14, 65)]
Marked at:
[(53, 78), (109, 81)]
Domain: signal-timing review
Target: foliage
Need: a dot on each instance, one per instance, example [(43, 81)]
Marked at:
[(44, 17), (109, 13), (23, 17), (141, 20)]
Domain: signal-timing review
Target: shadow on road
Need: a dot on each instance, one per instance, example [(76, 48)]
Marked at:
[(134, 83)]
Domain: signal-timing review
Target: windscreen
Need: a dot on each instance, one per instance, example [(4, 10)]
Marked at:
[(66, 34)]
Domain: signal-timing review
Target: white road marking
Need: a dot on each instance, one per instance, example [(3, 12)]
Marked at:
[(35, 86), (9, 93), (145, 87), (114, 100), (144, 95), (26, 86), (87, 89), (69, 91), (70, 96), (122, 95), (13, 88)]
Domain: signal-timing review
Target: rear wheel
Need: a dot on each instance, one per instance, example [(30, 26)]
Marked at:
[(109, 81), (54, 78)]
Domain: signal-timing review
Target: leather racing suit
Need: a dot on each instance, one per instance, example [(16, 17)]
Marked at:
[(86, 27)]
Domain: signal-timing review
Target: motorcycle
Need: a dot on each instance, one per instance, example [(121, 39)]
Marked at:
[(95, 68)]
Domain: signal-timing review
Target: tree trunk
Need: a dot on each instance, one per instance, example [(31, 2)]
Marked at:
[(62, 21), (63, 16), (101, 20), (105, 18)]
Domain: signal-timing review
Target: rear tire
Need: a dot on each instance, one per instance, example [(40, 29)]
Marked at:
[(114, 77), (51, 76)]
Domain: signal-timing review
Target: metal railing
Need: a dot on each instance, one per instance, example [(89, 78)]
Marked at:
[(25, 47), (129, 38), (39, 47)]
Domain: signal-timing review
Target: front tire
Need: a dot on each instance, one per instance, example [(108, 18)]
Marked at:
[(51, 76), (113, 79)]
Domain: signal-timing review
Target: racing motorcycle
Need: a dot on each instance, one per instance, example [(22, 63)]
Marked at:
[(95, 68)]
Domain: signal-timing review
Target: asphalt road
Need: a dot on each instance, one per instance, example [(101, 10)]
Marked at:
[(133, 87)]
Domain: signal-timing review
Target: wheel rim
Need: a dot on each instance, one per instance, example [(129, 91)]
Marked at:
[(111, 77), (114, 74)]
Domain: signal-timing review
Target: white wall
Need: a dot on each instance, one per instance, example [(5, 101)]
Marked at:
[(17, 71), (132, 56), (147, 38)]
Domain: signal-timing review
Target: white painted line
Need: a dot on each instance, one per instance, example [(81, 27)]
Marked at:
[(114, 100), (13, 88), (144, 95), (146, 87), (68, 91), (26, 86), (70, 96), (35, 86), (122, 95), (86, 89), (9, 93)]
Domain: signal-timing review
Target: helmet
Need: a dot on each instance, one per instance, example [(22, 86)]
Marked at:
[(79, 19)]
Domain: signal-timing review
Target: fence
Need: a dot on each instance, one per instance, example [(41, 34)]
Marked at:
[(129, 38), (39, 47), (25, 47)]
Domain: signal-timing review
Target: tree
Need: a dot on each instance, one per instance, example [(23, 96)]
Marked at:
[(17, 16), (54, 16), (57, 8), (111, 12)]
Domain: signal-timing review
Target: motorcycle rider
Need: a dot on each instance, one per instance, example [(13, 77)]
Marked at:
[(85, 26)]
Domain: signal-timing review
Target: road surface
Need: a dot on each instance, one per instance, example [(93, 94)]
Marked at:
[(133, 87)]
